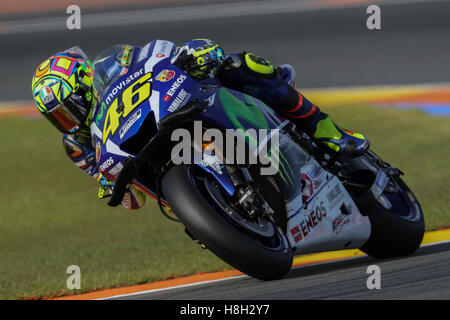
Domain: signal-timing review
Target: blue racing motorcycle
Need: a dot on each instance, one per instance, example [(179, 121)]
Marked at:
[(313, 201)]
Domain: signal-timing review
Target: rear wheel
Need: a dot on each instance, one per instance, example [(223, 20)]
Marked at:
[(397, 223), (258, 248)]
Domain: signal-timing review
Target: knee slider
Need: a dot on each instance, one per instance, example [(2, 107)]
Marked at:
[(258, 66)]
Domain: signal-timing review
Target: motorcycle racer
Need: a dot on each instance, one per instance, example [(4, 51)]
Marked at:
[(67, 86), (64, 93)]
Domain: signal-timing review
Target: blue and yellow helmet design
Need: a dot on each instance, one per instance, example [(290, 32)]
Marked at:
[(62, 88)]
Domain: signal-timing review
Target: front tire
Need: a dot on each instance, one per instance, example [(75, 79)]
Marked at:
[(202, 219)]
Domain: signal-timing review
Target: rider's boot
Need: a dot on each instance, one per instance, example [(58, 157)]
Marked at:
[(318, 125), (340, 140)]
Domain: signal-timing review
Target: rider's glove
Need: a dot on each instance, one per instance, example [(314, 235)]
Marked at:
[(105, 188), (199, 58), (133, 198)]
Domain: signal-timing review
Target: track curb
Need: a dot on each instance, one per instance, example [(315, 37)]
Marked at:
[(430, 237)]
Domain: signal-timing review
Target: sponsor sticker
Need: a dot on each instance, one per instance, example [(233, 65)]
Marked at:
[(304, 228), (47, 95), (308, 189), (105, 165), (296, 234), (179, 100), (211, 100), (123, 84), (124, 71), (116, 169), (165, 75), (81, 164), (126, 56), (135, 117), (98, 151), (315, 176), (340, 222), (100, 113), (176, 84), (379, 184), (334, 193), (144, 52), (161, 49), (315, 172)]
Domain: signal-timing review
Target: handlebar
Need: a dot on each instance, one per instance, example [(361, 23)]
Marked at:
[(166, 126)]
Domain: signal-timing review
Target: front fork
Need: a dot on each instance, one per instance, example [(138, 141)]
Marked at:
[(239, 184)]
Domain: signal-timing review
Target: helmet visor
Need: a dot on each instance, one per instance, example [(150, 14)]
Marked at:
[(68, 116), (66, 119)]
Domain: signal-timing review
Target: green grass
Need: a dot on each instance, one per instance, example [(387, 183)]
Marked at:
[(50, 217)]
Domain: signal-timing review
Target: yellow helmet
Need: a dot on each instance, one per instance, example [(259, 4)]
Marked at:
[(63, 91)]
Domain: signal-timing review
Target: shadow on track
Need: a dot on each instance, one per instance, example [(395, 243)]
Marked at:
[(302, 271)]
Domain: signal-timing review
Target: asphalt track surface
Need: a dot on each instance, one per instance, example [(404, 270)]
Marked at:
[(424, 275), (327, 48), (330, 47)]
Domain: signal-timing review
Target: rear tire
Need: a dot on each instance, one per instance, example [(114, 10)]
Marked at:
[(242, 250), (398, 231)]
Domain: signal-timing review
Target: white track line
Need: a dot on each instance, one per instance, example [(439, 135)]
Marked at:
[(175, 287), (435, 243), (182, 13), (245, 276)]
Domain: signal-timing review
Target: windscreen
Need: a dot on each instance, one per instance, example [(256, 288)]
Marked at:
[(110, 65)]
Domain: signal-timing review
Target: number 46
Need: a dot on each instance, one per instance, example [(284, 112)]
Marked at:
[(132, 97)]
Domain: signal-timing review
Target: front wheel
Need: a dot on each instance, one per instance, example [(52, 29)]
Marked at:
[(260, 256)]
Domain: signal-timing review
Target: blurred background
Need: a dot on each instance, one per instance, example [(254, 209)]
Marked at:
[(392, 84)]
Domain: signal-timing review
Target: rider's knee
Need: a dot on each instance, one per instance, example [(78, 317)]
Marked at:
[(250, 64), (256, 76), (258, 66)]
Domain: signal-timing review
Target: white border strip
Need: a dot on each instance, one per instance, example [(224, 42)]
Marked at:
[(174, 287)]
